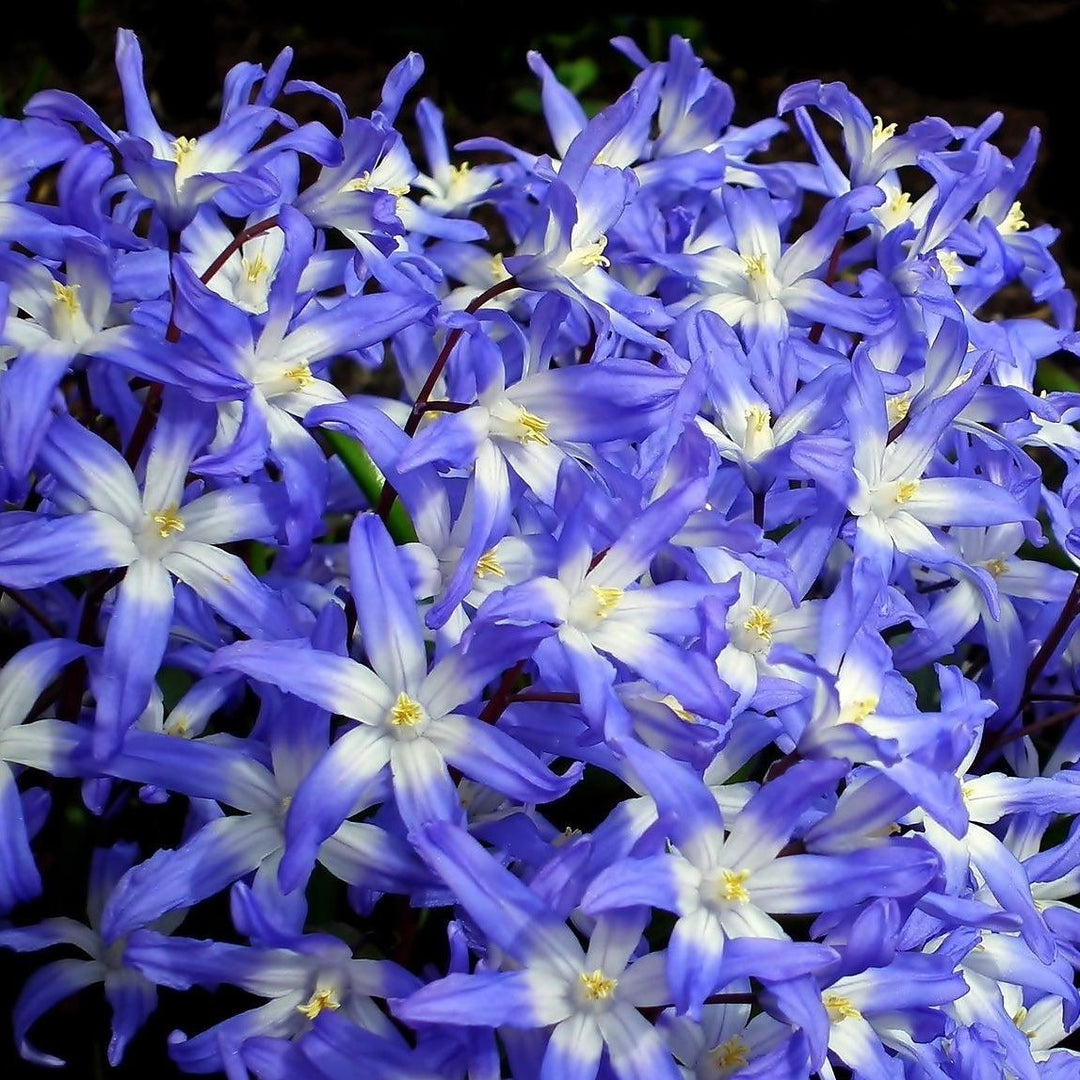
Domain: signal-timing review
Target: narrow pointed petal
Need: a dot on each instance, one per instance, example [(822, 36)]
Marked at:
[(386, 613), (333, 682), (217, 855)]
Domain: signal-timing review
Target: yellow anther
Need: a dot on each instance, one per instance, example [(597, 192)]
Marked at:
[(321, 999), (531, 429), (177, 726), (840, 1008), (755, 266), (732, 886), (857, 711), (906, 490), (1014, 220), (182, 147), (300, 375), (881, 133), (758, 418), (498, 268), (596, 986), (593, 254), (1018, 1019), (365, 182), (360, 183), (168, 521), (67, 296), (606, 599), (950, 263), (255, 268), (732, 1053), (459, 172), (760, 622), (898, 408), (488, 565), (405, 712), (675, 705), (996, 567)]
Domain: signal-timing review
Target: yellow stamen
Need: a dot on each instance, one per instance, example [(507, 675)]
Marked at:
[(732, 1053), (532, 429), (488, 564), (881, 133), (360, 183), (755, 266), (606, 599), (898, 408), (301, 375), (168, 521), (255, 268), (906, 489), (66, 296), (182, 147), (593, 254), (405, 712), (364, 182), (757, 418), (857, 711), (760, 621), (321, 999), (1018, 1019), (596, 985), (675, 705), (840, 1008), (732, 886), (950, 263), (1014, 220), (996, 567)]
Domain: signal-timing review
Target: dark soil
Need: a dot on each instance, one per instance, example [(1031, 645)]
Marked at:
[(959, 59)]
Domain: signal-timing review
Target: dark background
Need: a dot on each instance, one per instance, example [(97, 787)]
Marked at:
[(958, 60)]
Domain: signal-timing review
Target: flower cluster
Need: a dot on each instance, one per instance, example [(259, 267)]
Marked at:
[(675, 679)]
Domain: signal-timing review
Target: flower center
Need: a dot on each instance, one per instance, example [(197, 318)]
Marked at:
[(897, 408), (185, 160), (405, 712), (760, 623), (606, 599), (596, 986), (66, 297), (950, 263), (840, 1008), (300, 375), (592, 255), (488, 565), (732, 1053), (881, 133), (254, 269), (531, 429), (857, 711), (1014, 220), (321, 999), (731, 886), (168, 521), (906, 490)]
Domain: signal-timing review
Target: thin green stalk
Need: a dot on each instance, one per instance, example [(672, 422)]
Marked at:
[(371, 482)]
